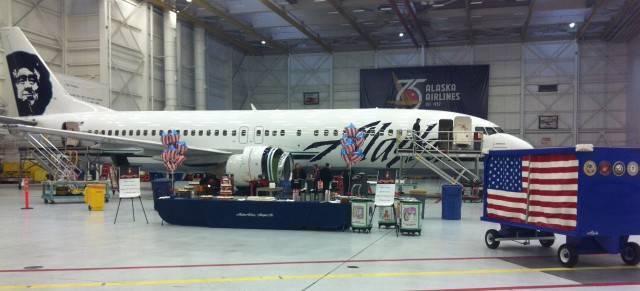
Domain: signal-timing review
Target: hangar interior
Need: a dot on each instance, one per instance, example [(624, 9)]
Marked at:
[(155, 55)]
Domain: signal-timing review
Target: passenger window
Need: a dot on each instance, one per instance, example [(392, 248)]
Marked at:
[(335, 132), (274, 133), (390, 132), (316, 132), (234, 132), (130, 132), (216, 132), (185, 132), (266, 133), (243, 132), (208, 132), (490, 131), (193, 132), (298, 132), (89, 131), (153, 132), (224, 132), (138, 132), (145, 132), (381, 133), (103, 132), (124, 133), (109, 132), (326, 132), (117, 132), (258, 132), (282, 133), (200, 132), (371, 131)]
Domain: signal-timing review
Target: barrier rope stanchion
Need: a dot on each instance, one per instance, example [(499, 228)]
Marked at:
[(25, 182)]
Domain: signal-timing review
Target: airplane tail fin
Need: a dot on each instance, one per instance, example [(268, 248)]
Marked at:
[(35, 88)]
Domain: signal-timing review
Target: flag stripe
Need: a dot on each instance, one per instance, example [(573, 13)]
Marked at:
[(507, 199), (556, 221), (570, 175), (552, 170), (535, 210)]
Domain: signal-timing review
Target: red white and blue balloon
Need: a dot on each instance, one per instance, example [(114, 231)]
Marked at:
[(351, 142), (173, 155)]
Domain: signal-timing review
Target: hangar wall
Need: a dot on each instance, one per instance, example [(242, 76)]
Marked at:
[(120, 43), (590, 103), (633, 108)]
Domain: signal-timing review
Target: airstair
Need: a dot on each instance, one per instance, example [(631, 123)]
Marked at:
[(442, 155), (50, 158)]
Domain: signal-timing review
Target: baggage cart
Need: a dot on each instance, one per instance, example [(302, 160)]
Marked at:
[(409, 216), (65, 190), (361, 214), (590, 195)]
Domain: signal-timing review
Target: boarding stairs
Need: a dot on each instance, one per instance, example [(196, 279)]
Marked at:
[(51, 158), (445, 162)]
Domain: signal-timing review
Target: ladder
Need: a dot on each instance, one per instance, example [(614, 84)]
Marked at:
[(50, 158), (108, 172), (439, 162)]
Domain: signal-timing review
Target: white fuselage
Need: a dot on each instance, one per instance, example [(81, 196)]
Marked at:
[(312, 136)]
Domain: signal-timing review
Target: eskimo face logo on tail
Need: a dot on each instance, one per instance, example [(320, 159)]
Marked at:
[(408, 96), (31, 83)]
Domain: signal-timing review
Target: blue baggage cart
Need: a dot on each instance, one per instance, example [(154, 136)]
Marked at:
[(590, 195)]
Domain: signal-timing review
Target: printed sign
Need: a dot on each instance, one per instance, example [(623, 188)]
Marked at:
[(463, 89), (129, 182), (409, 216), (385, 194)]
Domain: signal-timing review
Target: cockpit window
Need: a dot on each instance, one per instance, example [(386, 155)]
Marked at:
[(499, 130), (481, 129), (490, 130)]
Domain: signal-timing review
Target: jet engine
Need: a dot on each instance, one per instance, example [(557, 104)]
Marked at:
[(273, 162)]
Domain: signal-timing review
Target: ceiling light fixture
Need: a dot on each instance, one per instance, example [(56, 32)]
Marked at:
[(572, 24), (401, 34), (263, 42), (437, 5), (189, 1), (333, 12), (476, 2), (358, 10)]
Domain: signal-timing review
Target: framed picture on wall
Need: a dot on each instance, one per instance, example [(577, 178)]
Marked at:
[(548, 122), (311, 98)]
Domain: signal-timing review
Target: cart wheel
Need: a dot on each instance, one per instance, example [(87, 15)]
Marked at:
[(387, 226), (89, 206), (106, 199), (547, 242), (567, 255), (52, 201), (631, 254), (490, 239), (419, 233), (45, 201)]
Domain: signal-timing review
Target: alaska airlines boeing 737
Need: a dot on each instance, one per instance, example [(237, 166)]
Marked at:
[(247, 142)]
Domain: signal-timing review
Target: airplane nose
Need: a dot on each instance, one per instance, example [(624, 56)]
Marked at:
[(517, 143)]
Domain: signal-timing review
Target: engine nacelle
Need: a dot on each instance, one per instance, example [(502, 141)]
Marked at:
[(275, 163)]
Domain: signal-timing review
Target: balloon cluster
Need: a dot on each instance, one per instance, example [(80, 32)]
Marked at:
[(173, 155), (351, 142)]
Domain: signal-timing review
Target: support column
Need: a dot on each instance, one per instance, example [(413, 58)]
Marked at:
[(200, 75), (170, 62), (576, 91)]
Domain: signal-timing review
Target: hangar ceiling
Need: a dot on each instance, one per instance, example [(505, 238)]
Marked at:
[(283, 26)]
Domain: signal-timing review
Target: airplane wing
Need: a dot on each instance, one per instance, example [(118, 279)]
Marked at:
[(11, 120), (115, 143)]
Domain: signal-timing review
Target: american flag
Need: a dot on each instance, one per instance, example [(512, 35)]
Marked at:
[(549, 181)]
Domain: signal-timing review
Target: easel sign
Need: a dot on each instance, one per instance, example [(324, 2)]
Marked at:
[(385, 194), (129, 188), (129, 181)]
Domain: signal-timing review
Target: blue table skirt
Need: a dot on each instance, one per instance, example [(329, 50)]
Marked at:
[(255, 214)]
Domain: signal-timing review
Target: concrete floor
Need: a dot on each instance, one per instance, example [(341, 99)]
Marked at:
[(65, 246)]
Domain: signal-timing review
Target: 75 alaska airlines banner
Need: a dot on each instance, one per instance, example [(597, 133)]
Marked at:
[(463, 89)]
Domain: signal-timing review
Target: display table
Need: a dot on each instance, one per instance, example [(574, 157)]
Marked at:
[(255, 214)]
